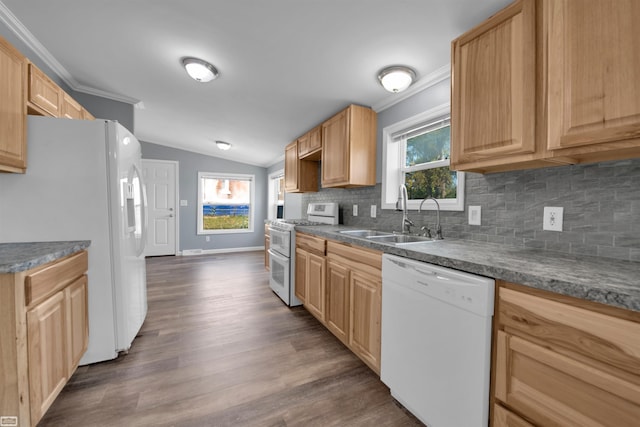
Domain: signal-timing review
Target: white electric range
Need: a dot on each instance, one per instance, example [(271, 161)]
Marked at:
[(282, 260)]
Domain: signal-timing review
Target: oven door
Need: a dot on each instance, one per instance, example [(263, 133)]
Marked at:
[(280, 241), (279, 278)]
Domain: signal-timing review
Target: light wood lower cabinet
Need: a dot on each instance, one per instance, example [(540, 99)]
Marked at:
[(564, 362), (337, 315), (343, 290), (43, 334), (310, 273), (354, 297)]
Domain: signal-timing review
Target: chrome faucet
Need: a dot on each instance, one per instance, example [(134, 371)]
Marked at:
[(438, 228), (401, 205)]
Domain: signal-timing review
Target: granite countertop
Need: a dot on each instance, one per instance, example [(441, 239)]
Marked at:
[(16, 257), (605, 280)]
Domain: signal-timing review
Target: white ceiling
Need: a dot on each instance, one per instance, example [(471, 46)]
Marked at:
[(285, 65)]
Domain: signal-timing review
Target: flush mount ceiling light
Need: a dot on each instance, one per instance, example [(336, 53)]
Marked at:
[(223, 145), (199, 70), (397, 78)]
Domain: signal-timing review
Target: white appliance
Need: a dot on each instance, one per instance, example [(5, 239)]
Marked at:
[(84, 182), (436, 341), (282, 260)]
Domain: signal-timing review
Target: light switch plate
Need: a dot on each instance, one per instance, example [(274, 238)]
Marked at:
[(552, 219), (373, 211), (183, 203), (355, 210), (475, 215)]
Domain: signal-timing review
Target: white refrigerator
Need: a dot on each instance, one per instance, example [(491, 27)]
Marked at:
[(84, 182)]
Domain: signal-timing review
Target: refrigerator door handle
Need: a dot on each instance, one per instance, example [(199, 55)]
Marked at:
[(143, 211)]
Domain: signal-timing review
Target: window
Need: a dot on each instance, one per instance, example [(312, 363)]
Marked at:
[(225, 203), (276, 195), (416, 154)]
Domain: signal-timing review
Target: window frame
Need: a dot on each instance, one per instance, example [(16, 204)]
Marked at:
[(273, 194), (252, 206), (393, 164)]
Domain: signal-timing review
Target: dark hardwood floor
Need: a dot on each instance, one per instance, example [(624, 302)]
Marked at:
[(218, 348)]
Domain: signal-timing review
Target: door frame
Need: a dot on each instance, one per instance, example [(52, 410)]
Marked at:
[(177, 197)]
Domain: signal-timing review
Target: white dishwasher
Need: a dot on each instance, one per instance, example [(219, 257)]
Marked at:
[(436, 341)]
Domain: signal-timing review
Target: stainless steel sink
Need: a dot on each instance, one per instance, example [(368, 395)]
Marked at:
[(401, 239), (365, 233)]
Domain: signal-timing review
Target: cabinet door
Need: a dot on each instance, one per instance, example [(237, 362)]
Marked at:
[(315, 285), (44, 93), (337, 311), (47, 345), (299, 175), (301, 274), (551, 388), (493, 89), (365, 314), (310, 144), (291, 167), (77, 322), (593, 95), (335, 150), (13, 113), (70, 108)]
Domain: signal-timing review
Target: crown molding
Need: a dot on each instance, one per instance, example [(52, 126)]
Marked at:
[(427, 81), (25, 36)]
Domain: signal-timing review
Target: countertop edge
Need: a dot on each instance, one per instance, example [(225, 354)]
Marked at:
[(16, 257), (574, 276)]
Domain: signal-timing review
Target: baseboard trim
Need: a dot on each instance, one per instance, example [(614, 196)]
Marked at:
[(190, 252)]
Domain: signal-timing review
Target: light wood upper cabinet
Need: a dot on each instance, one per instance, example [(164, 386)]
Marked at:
[(13, 110), (545, 83), (566, 362), (594, 94), (349, 148), (493, 90), (71, 109), (299, 175), (310, 144), (44, 332), (45, 97)]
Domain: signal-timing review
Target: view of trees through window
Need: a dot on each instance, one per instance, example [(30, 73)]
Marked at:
[(424, 174)]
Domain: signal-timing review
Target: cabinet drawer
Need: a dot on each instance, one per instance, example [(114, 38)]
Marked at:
[(367, 257), (311, 244), (567, 328), (55, 276), (554, 389)]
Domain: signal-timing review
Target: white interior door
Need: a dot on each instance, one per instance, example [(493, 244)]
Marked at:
[(161, 178)]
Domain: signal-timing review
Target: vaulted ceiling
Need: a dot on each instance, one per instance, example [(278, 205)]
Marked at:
[(285, 65)]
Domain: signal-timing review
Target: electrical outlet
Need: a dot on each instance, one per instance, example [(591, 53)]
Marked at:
[(207, 239), (355, 210), (475, 215), (373, 211), (552, 220)]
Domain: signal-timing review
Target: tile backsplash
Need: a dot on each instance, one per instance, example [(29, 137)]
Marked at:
[(601, 209)]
